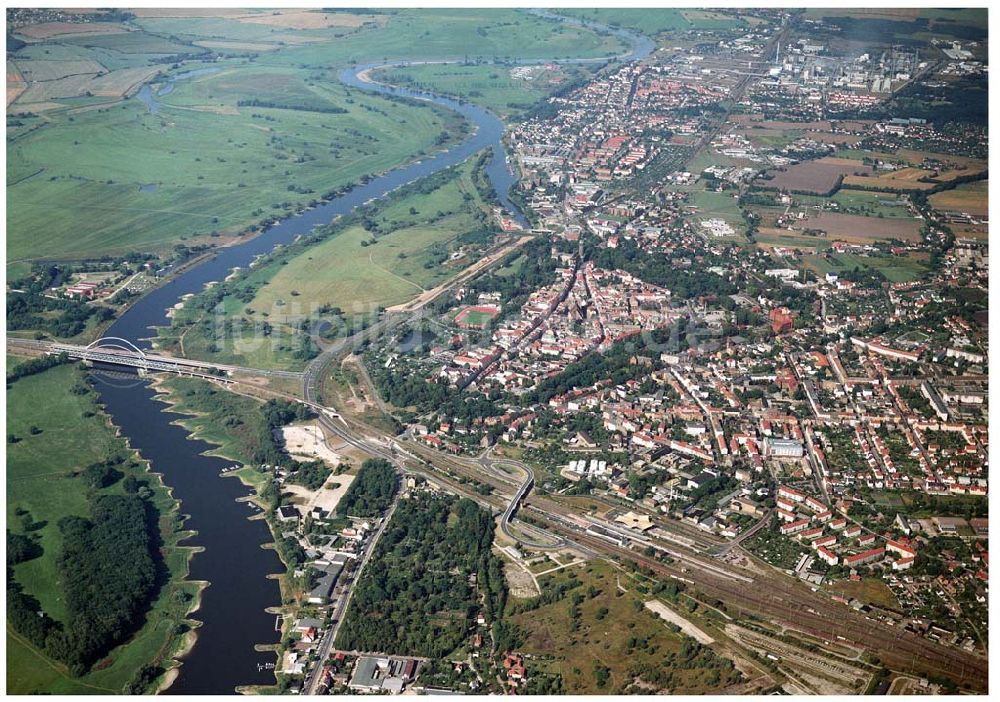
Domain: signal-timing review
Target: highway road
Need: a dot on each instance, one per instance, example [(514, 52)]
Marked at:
[(515, 502), (343, 602)]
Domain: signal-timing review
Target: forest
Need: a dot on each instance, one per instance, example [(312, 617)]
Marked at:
[(371, 492), (684, 283), (310, 475), (108, 575), (416, 595)]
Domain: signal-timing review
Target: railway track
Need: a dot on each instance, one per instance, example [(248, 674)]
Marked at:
[(803, 610), (769, 594)]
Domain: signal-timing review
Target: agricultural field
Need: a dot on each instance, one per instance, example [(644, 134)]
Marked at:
[(356, 270), (132, 42), (967, 198), (971, 231), (907, 24), (904, 179), (43, 486), (49, 30), (917, 170), (864, 229), (218, 167), (600, 637), (770, 237), (15, 82), (750, 121), (819, 176), (244, 30), (79, 83), (41, 70), (896, 269), (653, 21), (777, 134), (861, 229), (872, 204), (852, 202), (506, 90)]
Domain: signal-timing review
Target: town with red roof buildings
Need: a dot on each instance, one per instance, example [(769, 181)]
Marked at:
[(769, 370), (498, 351)]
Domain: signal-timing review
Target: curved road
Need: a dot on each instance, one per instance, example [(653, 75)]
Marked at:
[(515, 502)]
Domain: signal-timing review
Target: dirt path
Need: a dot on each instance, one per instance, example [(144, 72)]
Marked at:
[(21, 640), (671, 616), (371, 260), (465, 274)]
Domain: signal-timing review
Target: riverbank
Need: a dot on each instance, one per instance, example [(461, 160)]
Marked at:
[(46, 483), (198, 420)]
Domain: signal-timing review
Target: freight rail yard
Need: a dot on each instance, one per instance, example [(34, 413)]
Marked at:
[(841, 641)]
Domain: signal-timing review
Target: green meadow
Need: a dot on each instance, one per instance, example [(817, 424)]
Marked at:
[(896, 269), (490, 85), (218, 167), (455, 33), (356, 269), (70, 433), (652, 21)]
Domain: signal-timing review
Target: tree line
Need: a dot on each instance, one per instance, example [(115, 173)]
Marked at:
[(371, 492), (255, 102), (108, 575), (34, 366)]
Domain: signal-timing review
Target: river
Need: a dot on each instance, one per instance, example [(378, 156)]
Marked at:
[(233, 607)]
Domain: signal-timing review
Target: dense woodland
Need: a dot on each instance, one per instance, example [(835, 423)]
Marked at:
[(416, 595), (310, 475), (684, 283), (371, 492), (108, 574)]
